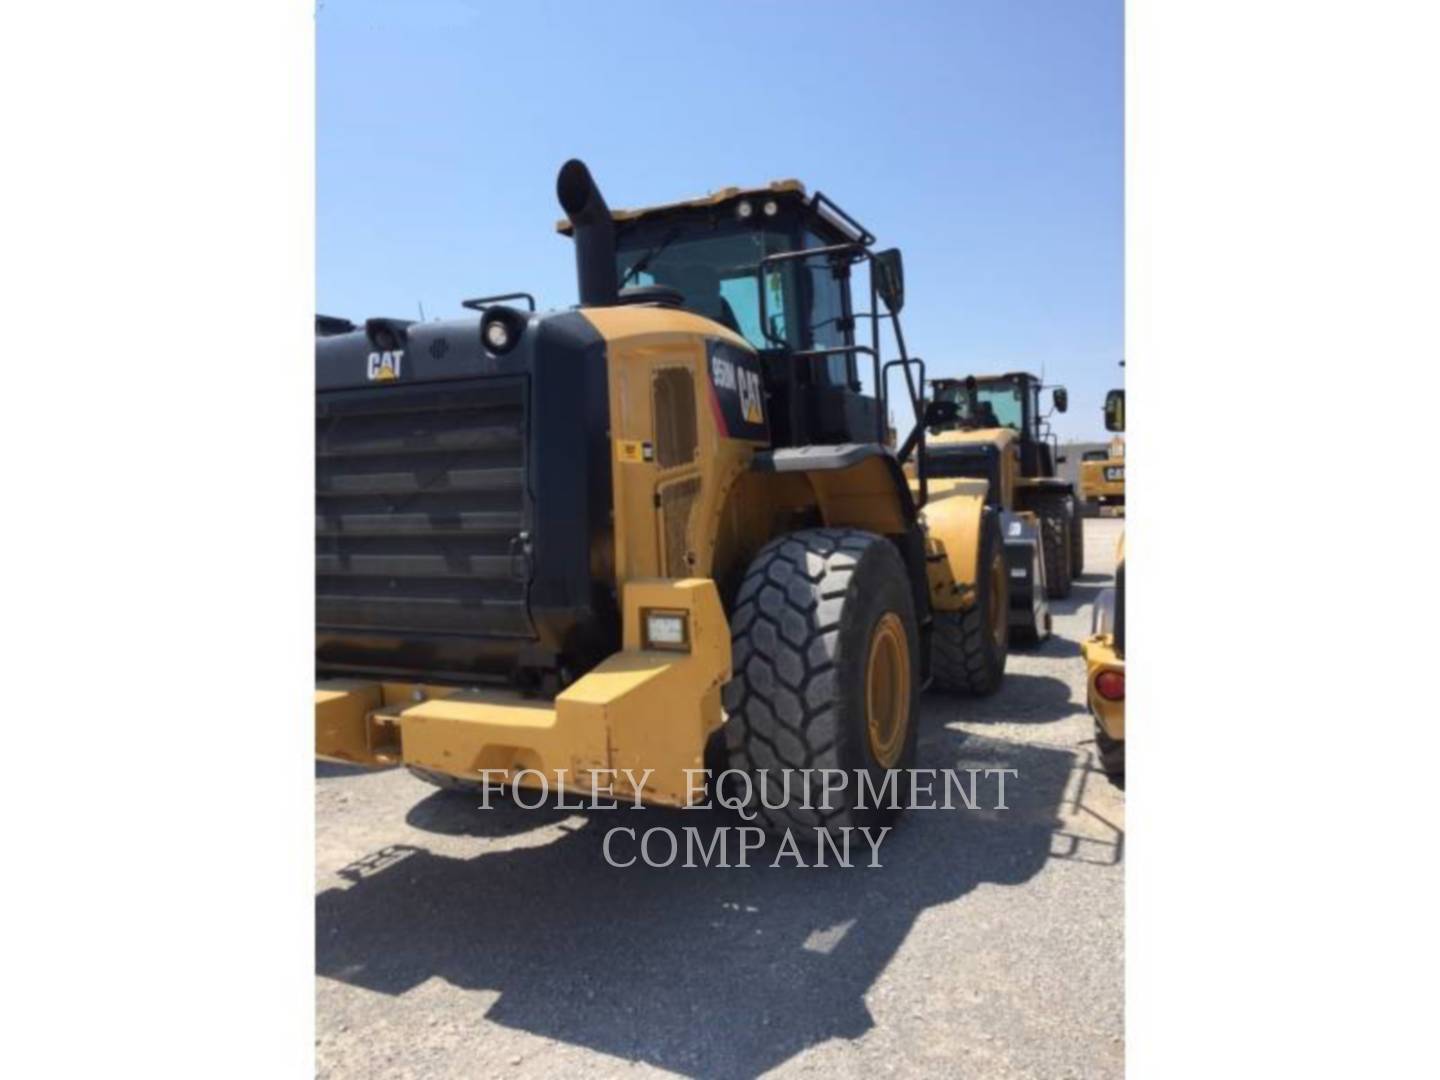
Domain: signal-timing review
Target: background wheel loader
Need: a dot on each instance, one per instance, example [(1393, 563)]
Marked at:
[(999, 434), (1104, 649), (1102, 480), (607, 546)]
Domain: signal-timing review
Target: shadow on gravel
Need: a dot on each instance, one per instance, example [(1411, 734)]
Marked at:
[(705, 971), (325, 770), (1082, 592), (1021, 699)]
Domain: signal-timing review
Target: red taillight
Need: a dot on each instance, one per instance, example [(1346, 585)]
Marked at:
[(1111, 685)]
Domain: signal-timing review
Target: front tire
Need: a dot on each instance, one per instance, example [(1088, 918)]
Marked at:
[(825, 656), (968, 649), (1077, 540)]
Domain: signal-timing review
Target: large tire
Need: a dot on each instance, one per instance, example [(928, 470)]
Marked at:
[(968, 648), (816, 612), (1055, 544), (1077, 540), (1112, 755)]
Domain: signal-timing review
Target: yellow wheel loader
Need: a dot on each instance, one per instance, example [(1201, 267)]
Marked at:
[(608, 547), (1104, 649), (998, 433), (1102, 472), (1102, 479)]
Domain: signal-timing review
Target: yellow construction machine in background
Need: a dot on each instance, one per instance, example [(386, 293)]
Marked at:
[(1104, 649)]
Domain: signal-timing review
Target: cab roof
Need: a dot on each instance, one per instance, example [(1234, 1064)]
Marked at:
[(982, 378), (715, 198), (829, 221)]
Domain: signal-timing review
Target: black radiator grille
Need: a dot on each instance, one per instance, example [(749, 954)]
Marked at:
[(420, 506)]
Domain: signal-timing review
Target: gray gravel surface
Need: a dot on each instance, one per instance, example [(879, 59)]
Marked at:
[(454, 941)]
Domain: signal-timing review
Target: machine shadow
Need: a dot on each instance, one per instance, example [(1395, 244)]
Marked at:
[(326, 770), (1082, 593), (705, 971), (1022, 699)]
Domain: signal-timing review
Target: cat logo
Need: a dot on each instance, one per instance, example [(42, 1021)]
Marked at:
[(727, 375), (749, 383), (383, 366), (739, 392)]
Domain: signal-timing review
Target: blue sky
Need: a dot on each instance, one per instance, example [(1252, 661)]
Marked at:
[(983, 137)]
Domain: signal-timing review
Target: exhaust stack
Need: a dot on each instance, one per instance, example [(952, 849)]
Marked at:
[(595, 273)]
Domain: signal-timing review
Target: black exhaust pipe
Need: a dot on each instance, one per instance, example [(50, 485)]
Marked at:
[(583, 204)]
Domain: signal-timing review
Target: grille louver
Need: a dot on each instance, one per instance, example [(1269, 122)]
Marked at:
[(421, 513)]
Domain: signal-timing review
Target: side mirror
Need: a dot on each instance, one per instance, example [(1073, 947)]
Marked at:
[(940, 413), (1115, 410), (889, 271), (1061, 459), (1061, 398)]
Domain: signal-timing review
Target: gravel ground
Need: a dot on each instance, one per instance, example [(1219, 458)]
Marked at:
[(452, 941)]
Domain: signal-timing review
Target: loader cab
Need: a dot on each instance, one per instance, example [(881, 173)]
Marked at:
[(738, 258), (1012, 401)]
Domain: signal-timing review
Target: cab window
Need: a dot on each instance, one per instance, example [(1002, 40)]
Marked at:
[(716, 275), (1004, 401), (827, 315)]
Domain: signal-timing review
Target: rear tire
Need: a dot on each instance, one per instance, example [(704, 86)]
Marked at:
[(966, 656), (1112, 756), (825, 654)]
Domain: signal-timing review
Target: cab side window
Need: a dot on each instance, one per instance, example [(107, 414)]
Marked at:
[(827, 315)]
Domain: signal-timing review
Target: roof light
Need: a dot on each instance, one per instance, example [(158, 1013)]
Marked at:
[(771, 208), (745, 210)]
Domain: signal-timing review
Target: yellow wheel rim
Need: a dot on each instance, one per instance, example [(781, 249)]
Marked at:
[(999, 613), (887, 689)]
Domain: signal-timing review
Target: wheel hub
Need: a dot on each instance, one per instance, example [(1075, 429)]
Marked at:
[(999, 616), (887, 689)]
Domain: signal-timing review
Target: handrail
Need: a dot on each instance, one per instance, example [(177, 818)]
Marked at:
[(480, 303), (855, 253)]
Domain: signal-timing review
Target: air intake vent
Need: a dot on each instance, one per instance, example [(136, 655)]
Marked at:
[(677, 500), (674, 399)]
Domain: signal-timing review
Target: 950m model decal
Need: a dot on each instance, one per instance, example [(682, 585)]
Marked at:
[(737, 392)]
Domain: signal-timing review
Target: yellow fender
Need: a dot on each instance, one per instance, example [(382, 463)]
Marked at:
[(952, 540)]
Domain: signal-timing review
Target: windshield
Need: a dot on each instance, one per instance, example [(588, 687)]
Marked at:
[(955, 392), (995, 405), (716, 273), (1000, 405)]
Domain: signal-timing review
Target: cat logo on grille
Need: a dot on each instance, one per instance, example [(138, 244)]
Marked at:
[(383, 366)]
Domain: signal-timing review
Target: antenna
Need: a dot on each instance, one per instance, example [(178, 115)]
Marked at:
[(421, 306)]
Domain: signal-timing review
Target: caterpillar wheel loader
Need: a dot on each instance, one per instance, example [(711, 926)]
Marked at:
[(1102, 479), (999, 434), (1102, 473), (1104, 649), (607, 547)]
